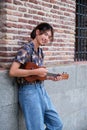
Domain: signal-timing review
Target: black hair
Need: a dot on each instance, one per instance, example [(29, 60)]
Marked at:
[(42, 27)]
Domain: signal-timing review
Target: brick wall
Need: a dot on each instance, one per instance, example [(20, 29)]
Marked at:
[(17, 19)]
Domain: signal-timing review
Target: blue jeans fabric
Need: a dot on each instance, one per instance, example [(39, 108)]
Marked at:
[(38, 108)]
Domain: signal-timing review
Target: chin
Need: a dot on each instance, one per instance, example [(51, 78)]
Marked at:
[(42, 44)]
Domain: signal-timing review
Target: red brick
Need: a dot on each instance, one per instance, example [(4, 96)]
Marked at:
[(18, 18)]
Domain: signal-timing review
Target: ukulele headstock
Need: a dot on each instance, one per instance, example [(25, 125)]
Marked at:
[(65, 75)]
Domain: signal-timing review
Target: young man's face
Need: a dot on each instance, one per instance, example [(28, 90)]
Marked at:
[(44, 38)]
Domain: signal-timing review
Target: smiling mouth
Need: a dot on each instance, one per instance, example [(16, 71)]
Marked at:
[(43, 41)]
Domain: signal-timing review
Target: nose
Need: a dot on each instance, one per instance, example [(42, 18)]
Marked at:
[(47, 39)]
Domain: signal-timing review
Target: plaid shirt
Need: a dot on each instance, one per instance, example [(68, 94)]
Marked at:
[(28, 54)]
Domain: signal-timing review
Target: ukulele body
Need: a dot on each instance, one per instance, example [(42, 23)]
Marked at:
[(32, 78)]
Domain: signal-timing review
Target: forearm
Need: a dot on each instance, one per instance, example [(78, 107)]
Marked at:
[(16, 71), (22, 72)]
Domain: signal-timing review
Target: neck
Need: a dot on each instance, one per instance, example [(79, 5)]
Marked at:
[(36, 45)]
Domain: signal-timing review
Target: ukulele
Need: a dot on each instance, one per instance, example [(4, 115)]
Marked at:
[(32, 78)]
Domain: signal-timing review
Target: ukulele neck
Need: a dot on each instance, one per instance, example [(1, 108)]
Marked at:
[(52, 74)]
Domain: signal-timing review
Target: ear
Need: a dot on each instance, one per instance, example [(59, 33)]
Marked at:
[(37, 32)]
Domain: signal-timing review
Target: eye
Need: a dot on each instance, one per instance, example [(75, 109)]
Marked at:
[(46, 34)]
